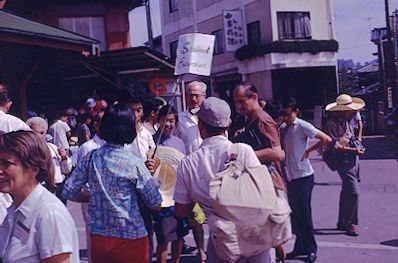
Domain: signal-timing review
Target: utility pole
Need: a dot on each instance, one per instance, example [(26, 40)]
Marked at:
[(389, 66), (149, 23)]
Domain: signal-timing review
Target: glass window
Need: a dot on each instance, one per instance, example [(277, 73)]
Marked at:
[(294, 25), (173, 6), (93, 27), (173, 49), (219, 42), (253, 33)]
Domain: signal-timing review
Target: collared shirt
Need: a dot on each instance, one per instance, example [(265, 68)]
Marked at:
[(58, 130), (261, 133), (152, 129), (61, 167), (117, 179), (295, 138), (338, 129), (197, 169), (187, 130), (9, 123), (41, 227), (171, 141), (141, 144), (95, 143)]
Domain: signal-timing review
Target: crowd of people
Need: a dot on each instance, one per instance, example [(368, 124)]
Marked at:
[(143, 170)]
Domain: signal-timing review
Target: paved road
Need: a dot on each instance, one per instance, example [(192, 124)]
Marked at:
[(378, 240)]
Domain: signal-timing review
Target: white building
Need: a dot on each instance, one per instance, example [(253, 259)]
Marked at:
[(288, 46)]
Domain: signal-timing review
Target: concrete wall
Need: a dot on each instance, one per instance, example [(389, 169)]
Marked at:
[(320, 14)]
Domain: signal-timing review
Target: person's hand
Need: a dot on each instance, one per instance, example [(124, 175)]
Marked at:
[(305, 155), (360, 139), (360, 152), (62, 153), (239, 132)]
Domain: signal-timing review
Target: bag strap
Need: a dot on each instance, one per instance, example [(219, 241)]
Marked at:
[(233, 152)]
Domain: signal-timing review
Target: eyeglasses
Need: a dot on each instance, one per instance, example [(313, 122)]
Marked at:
[(195, 95)]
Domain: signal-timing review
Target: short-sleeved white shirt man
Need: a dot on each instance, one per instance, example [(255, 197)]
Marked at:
[(295, 139), (58, 130), (197, 169), (187, 130), (41, 227)]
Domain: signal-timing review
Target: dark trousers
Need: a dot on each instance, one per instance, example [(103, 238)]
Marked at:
[(349, 195), (299, 194)]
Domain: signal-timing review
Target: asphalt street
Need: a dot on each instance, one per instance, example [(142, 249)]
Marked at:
[(378, 211)]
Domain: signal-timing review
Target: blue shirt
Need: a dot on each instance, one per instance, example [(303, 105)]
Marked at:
[(117, 181), (295, 139)]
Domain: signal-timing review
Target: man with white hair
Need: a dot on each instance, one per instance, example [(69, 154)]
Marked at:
[(62, 163), (8, 123), (187, 128)]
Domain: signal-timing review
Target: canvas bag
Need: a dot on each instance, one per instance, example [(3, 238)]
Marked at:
[(249, 217)]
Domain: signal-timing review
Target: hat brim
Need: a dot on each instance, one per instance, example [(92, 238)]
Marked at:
[(356, 104)]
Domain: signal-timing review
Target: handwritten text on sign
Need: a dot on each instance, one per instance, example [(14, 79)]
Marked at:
[(194, 54)]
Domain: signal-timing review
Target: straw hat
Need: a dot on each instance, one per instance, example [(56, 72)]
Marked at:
[(345, 102)]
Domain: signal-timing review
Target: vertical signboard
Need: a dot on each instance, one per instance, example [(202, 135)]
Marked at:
[(233, 30)]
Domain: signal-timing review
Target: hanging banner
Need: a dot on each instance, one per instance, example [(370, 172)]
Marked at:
[(194, 54), (233, 30)]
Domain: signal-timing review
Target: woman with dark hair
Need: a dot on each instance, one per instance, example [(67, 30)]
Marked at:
[(38, 227), (118, 180)]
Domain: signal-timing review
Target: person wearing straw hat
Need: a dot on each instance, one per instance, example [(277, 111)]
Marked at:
[(345, 150)]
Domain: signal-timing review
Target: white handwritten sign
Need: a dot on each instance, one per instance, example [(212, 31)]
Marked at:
[(233, 29), (194, 54)]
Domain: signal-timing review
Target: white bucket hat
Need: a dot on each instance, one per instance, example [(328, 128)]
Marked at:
[(345, 102)]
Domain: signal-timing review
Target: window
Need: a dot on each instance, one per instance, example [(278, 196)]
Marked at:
[(294, 25), (253, 33), (219, 42), (173, 49), (173, 6), (93, 27)]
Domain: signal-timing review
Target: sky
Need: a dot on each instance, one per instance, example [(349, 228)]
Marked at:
[(353, 20)]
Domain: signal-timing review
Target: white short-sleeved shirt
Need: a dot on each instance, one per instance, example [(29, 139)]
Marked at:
[(9, 123), (354, 121), (41, 227), (187, 130), (197, 169), (142, 143), (58, 130), (61, 167), (295, 140)]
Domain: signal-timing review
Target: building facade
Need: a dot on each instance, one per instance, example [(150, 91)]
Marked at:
[(284, 47)]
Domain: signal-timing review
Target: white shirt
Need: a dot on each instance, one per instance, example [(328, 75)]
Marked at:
[(41, 227), (61, 167), (295, 140), (9, 123), (58, 130), (197, 169), (187, 130), (150, 128), (142, 143), (354, 121), (95, 143)]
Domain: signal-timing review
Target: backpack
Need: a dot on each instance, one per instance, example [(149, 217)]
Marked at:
[(330, 158), (249, 216)]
